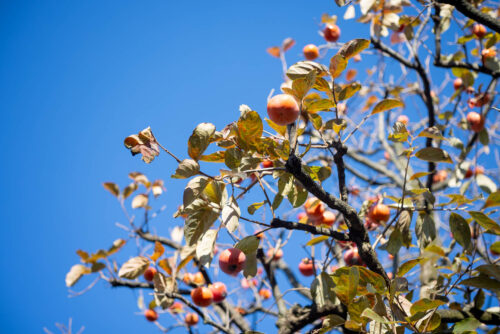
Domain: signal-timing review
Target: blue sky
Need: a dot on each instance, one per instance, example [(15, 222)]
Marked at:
[(76, 78)]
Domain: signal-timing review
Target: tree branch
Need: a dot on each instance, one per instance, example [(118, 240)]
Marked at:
[(277, 222), (464, 7)]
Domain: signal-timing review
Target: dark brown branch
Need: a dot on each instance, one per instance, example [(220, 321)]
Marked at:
[(466, 8), (472, 67), (338, 158), (357, 231), (115, 282), (276, 222)]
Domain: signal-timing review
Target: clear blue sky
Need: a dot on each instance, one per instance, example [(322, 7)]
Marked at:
[(77, 77)]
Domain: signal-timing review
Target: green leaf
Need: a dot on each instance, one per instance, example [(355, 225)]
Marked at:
[(460, 230), (250, 269), (409, 265), (317, 240), (197, 223), (425, 228), (302, 69), (425, 304), (492, 200), (482, 283), (248, 244), (346, 281), (348, 91), (338, 64), (233, 157), (492, 270), (322, 290), (318, 105), (486, 222), (433, 154), (316, 120), (466, 325), (386, 105), (186, 168), (353, 47), (495, 247), (200, 139), (432, 132), (255, 206), (372, 315), (194, 189), (336, 124)]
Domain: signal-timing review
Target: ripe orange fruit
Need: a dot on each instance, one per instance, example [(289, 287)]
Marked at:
[(219, 291), (232, 261), (276, 256), (202, 296), (379, 213), (191, 319), (314, 208), (282, 109), (403, 119), (457, 83), (265, 293), (306, 267), (151, 315), (310, 51), (198, 278), (149, 274), (479, 30), (476, 121), (331, 33), (267, 164)]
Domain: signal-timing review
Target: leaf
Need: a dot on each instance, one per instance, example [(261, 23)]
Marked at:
[(338, 64), (302, 69), (404, 222), (319, 105), (158, 188), (353, 47), (143, 143), (98, 266), (198, 223), (215, 191), (281, 129), (75, 273), (288, 43), (336, 124), (425, 229), (248, 244), (495, 247), (194, 189), (231, 215), (134, 267), (117, 245), (158, 251), (372, 315), (274, 51), (425, 304), (112, 188), (346, 281), (466, 325), (129, 190), (317, 240), (218, 156), (419, 175), (433, 154), (395, 242), (486, 222), (250, 127), (205, 247), (200, 139), (348, 91), (186, 168), (322, 290), (250, 269), (255, 206), (482, 283), (492, 270), (140, 201), (386, 105), (432, 132), (163, 285), (460, 230), (165, 265), (186, 254), (492, 200), (302, 85), (486, 184)]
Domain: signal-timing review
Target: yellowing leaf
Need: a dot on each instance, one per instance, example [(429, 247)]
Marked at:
[(200, 139), (140, 201), (433, 154), (186, 168), (353, 47), (75, 273), (386, 105), (338, 64), (112, 188), (134, 267), (158, 251), (317, 240)]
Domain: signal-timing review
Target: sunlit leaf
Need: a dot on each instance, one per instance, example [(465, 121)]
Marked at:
[(75, 273), (112, 188), (134, 267), (200, 139), (386, 105), (433, 154)]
